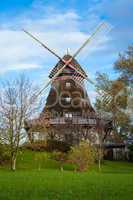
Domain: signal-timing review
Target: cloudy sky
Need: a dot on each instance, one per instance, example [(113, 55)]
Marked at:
[(62, 24)]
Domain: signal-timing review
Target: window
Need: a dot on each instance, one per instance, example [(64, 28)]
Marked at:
[(68, 115), (68, 84), (68, 99)]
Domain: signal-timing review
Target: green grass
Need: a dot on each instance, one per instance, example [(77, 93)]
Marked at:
[(115, 182)]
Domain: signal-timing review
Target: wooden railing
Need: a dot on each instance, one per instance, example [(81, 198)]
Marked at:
[(73, 120)]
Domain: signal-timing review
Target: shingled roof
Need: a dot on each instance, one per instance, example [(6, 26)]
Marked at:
[(60, 64)]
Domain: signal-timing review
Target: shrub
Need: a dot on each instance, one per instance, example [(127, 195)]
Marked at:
[(4, 154), (60, 157), (50, 145), (55, 145), (36, 146), (82, 156), (41, 159), (130, 147), (130, 153)]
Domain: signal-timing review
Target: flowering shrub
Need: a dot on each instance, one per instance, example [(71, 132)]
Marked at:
[(82, 156)]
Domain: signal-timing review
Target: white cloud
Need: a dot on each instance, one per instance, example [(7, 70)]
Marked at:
[(118, 12), (58, 30), (19, 66)]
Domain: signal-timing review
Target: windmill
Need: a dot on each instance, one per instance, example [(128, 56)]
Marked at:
[(71, 115)]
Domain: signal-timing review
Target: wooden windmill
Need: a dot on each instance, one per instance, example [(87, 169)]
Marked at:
[(70, 114)]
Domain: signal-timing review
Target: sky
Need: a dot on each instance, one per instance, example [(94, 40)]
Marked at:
[(62, 24)]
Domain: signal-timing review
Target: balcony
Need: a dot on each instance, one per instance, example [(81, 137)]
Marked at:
[(73, 120)]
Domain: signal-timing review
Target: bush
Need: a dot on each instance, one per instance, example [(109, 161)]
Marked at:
[(130, 147), (82, 156), (60, 157), (4, 154), (41, 159), (50, 145), (55, 145), (130, 153), (36, 146)]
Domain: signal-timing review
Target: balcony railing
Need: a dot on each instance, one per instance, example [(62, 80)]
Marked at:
[(73, 120)]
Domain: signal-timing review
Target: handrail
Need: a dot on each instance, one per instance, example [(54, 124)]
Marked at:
[(73, 120)]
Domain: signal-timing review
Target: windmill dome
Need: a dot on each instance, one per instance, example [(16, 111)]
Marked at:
[(73, 65)]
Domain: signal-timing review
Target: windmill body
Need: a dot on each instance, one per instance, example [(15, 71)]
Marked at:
[(68, 110)]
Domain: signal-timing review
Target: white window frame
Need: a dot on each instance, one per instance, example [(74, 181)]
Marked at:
[(68, 99), (68, 84)]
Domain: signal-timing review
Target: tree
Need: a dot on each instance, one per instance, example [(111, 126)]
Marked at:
[(101, 133), (124, 66), (113, 98), (17, 103)]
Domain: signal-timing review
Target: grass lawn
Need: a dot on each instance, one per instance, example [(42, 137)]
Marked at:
[(42, 180)]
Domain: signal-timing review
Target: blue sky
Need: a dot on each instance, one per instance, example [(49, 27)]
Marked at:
[(61, 24)]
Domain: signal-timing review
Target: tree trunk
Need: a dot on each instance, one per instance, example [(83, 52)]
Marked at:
[(13, 163), (99, 164), (61, 168), (100, 156)]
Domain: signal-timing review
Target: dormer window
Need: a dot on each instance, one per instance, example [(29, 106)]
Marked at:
[(68, 99), (68, 84)]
